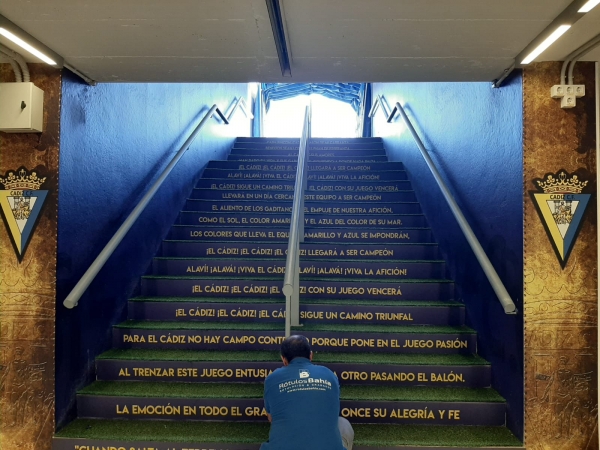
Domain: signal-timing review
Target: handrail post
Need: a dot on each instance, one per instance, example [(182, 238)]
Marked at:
[(89, 275), (486, 265)]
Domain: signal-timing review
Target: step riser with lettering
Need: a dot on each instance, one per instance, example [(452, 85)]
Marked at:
[(250, 147), (450, 343), (311, 145), (60, 443), (307, 251), (257, 268), (312, 166), (313, 185), (234, 174), (291, 159), (288, 196), (311, 142), (311, 234), (255, 372), (320, 141), (309, 313), (311, 153), (263, 206), (313, 289), (252, 410), (283, 220)]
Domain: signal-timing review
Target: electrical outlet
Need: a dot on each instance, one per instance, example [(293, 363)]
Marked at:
[(568, 101), (579, 90), (558, 90)]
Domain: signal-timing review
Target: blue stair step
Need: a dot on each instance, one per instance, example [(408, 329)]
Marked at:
[(65, 443), (311, 145), (296, 141), (202, 367), (312, 196), (442, 340), (269, 267), (337, 251), (311, 234), (357, 289), (289, 152), (313, 185), (263, 206), (311, 166), (283, 220), (235, 174), (247, 157), (182, 309), (202, 405)]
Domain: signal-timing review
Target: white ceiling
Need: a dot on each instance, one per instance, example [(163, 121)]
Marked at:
[(329, 40)]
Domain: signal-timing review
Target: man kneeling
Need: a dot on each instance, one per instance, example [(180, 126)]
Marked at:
[(302, 401)]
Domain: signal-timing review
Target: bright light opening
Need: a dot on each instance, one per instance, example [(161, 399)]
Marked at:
[(547, 43), (589, 6), (21, 43), (330, 118)]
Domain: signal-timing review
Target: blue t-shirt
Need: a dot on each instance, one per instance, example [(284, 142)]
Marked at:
[(304, 403)]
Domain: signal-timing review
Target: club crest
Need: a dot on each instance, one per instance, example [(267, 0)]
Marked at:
[(561, 206), (21, 201)]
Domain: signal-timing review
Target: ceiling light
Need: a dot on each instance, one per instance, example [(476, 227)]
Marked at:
[(21, 43), (588, 6), (547, 43)]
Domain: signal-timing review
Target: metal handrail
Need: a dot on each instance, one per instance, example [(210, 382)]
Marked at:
[(291, 281), (76, 293), (486, 265)]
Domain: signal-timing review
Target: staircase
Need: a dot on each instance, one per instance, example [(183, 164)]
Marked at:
[(187, 368)]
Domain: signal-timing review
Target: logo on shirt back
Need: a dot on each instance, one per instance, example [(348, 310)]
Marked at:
[(304, 373)]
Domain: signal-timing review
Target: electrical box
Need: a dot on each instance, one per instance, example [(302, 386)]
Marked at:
[(21, 108)]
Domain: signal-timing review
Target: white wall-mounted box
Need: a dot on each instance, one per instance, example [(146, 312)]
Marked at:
[(21, 108)]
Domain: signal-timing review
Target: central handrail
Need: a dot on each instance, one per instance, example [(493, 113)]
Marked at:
[(75, 294), (486, 265), (291, 281)]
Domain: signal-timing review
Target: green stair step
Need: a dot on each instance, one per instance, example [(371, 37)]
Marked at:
[(267, 356), (278, 278), (255, 433), (255, 390), (324, 301), (147, 325), (306, 258)]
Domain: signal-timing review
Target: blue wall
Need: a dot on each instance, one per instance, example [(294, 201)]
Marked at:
[(474, 135), (115, 140)]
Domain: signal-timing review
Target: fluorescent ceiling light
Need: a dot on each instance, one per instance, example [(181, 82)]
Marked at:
[(589, 6), (21, 43), (547, 43)]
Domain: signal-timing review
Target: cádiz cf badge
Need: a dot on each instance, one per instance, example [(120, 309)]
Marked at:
[(561, 206), (21, 202)]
